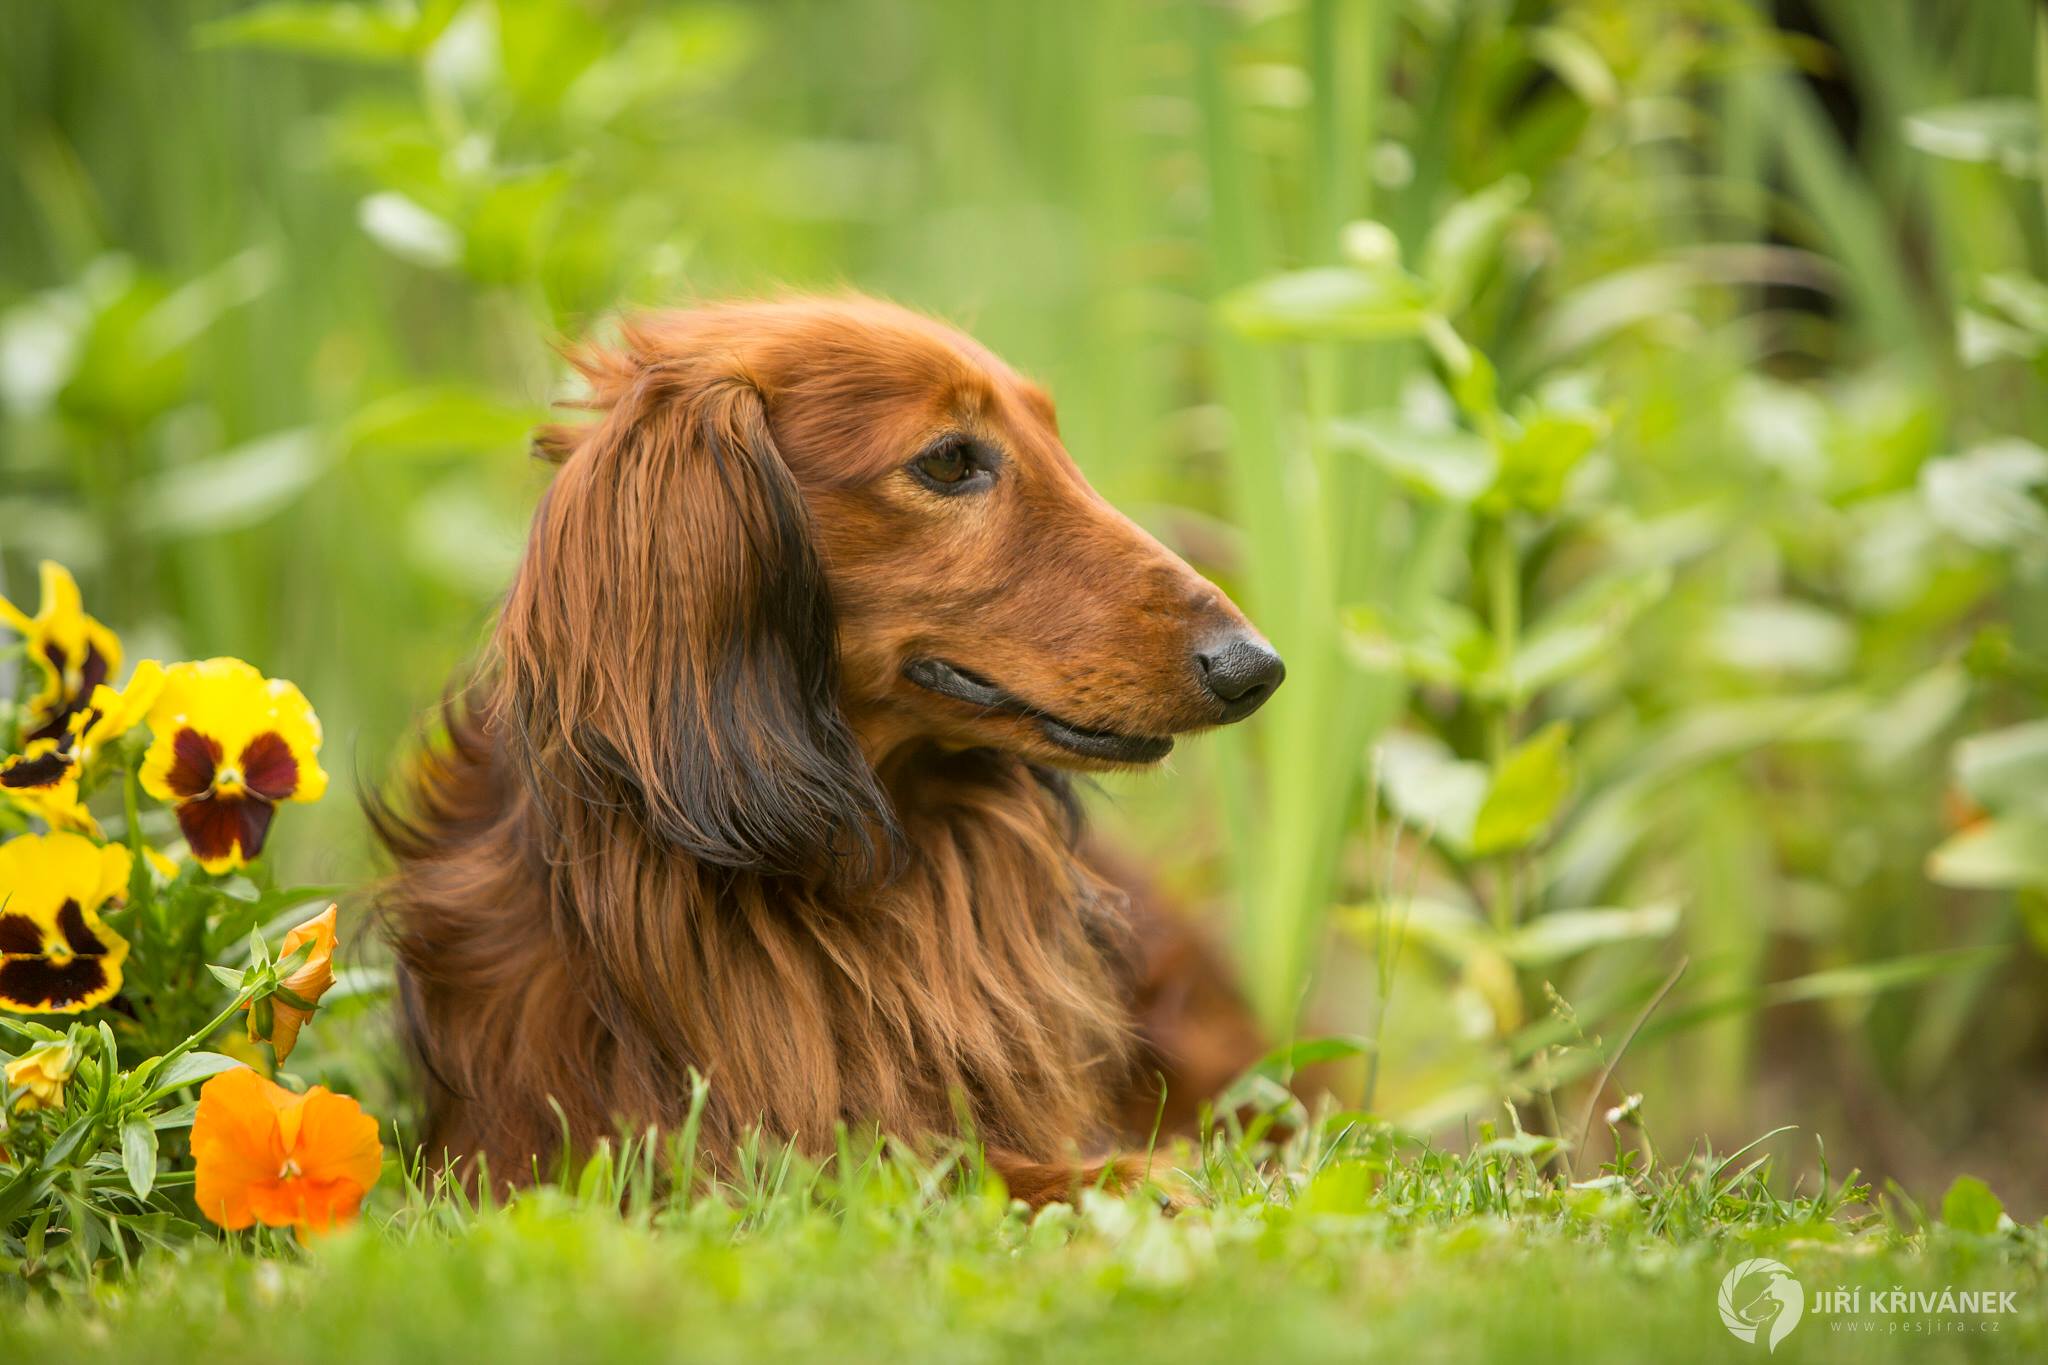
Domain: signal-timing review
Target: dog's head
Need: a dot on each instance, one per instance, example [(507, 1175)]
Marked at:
[(808, 534)]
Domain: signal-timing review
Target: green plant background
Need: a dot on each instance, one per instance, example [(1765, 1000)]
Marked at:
[(1620, 415)]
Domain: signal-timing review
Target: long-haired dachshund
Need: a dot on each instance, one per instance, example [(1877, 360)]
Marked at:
[(764, 774)]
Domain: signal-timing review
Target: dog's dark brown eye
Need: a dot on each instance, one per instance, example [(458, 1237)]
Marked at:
[(955, 467), (945, 466)]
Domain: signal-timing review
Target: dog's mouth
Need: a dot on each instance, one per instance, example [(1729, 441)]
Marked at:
[(950, 680)]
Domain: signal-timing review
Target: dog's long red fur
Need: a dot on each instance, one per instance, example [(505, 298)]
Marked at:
[(691, 814)]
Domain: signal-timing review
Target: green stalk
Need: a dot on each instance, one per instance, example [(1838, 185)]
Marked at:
[(1504, 616)]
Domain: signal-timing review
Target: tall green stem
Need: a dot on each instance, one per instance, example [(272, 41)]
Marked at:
[(1504, 617)]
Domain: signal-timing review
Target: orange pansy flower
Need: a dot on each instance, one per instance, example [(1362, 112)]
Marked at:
[(309, 981), (265, 1155)]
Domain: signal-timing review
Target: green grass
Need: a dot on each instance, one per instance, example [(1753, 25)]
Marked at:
[(1387, 1253)]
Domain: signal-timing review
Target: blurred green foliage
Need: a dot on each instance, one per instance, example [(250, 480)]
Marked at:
[(1622, 416)]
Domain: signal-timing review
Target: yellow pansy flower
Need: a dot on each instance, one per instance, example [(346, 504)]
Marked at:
[(56, 957), (43, 1071), (44, 782), (43, 779), (228, 745), (75, 652), (107, 714)]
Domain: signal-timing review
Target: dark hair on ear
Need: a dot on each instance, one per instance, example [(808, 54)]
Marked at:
[(669, 646)]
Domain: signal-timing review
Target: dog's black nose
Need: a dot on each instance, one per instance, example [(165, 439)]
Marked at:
[(1240, 671)]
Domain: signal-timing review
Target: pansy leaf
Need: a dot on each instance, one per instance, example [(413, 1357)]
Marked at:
[(138, 1155), (227, 976), (193, 1066), (67, 1142)]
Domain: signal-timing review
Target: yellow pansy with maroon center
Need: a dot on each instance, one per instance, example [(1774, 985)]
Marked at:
[(107, 714), (43, 778), (44, 782), (75, 653), (229, 744), (56, 957)]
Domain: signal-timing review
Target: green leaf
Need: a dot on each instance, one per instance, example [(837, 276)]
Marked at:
[(1970, 1206), (1535, 1146), (244, 487), (1450, 465), (1443, 643), (1574, 632), (410, 231), (1452, 932), (438, 418), (1466, 239), (193, 1066), (1834, 983), (138, 1155), (344, 32), (1985, 496), (1285, 1061), (180, 1117), (1525, 792), (1430, 788), (2002, 131), (2006, 852), (1332, 303), (2006, 769), (1784, 636), (2021, 298), (1577, 63), (227, 976), (1560, 934), (67, 1142), (1537, 459)]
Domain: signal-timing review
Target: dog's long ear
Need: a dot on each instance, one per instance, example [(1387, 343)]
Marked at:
[(669, 644)]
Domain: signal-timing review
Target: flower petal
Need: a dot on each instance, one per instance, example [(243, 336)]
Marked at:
[(195, 758), (43, 767), (36, 985), (225, 832), (20, 934), (338, 1141), (268, 767), (236, 1146), (74, 965), (42, 871)]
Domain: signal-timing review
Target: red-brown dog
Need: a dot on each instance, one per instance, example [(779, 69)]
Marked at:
[(763, 776)]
